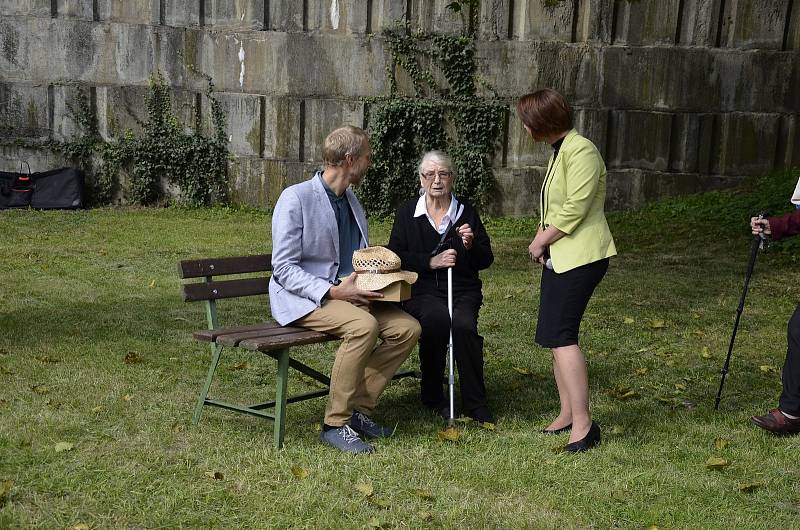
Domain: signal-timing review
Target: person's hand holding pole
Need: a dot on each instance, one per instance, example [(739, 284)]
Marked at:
[(444, 260), (760, 226)]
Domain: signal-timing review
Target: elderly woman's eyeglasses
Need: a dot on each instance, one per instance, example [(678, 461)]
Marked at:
[(443, 175)]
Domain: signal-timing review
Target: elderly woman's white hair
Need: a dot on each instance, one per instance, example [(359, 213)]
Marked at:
[(439, 158)]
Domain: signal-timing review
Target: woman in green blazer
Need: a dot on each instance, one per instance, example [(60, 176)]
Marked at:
[(574, 244)]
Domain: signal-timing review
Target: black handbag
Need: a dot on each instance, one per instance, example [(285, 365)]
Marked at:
[(55, 189)]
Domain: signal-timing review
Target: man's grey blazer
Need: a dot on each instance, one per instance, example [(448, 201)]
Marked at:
[(305, 248)]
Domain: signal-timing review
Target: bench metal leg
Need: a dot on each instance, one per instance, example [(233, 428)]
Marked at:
[(216, 351), (280, 397)]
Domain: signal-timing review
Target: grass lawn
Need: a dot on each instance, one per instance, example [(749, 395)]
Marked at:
[(88, 440)]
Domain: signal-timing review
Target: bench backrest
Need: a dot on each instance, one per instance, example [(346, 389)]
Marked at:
[(211, 289)]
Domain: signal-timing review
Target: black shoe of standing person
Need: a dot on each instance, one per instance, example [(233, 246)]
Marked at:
[(592, 439), (565, 428)]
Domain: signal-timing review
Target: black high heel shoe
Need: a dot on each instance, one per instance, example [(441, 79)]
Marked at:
[(592, 439), (565, 428)]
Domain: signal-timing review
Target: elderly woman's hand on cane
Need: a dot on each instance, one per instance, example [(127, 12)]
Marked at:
[(443, 260)]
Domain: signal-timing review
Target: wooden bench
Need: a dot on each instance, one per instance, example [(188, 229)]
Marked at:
[(269, 338)]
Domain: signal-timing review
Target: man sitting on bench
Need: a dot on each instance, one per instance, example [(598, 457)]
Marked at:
[(316, 226)]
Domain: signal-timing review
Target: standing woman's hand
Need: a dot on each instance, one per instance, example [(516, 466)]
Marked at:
[(536, 251)]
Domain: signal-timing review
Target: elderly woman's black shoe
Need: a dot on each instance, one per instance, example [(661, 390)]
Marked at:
[(592, 439)]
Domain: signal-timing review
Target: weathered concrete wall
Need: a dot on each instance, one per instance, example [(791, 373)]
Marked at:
[(679, 96)]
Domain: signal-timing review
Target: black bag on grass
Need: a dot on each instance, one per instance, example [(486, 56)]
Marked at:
[(56, 189)]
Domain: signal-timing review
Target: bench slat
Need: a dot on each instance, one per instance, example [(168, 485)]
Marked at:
[(199, 268), (283, 341), (193, 292), (233, 339), (210, 335)]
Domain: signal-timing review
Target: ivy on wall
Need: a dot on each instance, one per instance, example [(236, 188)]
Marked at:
[(196, 164), (443, 111)]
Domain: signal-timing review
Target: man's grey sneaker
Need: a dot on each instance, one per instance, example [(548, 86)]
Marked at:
[(363, 424), (345, 439)]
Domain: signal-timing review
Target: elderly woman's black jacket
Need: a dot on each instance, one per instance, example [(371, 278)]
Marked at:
[(413, 239)]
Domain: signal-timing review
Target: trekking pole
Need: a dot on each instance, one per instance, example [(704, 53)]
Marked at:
[(758, 243)]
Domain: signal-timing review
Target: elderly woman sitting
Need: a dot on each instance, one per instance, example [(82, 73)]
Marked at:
[(430, 234)]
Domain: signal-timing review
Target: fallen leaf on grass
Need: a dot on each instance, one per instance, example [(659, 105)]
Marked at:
[(489, 426), (60, 447), (450, 434), (132, 357), (5, 490), (622, 393), (628, 320), (720, 443), (680, 386), (299, 472), (464, 419), (46, 359), (767, 369), (423, 494), (364, 488), (127, 397), (240, 366), (641, 350), (98, 408), (749, 487), (378, 502), (215, 475), (508, 296), (152, 284), (40, 389), (658, 324), (523, 371), (716, 462), (705, 354)]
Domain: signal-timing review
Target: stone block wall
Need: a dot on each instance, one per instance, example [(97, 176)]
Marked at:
[(678, 95)]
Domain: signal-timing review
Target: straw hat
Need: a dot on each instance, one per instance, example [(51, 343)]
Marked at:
[(378, 267)]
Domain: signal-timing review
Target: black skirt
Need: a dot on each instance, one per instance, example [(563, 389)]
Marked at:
[(563, 299)]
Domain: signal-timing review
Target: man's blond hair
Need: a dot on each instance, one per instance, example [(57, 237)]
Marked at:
[(347, 140)]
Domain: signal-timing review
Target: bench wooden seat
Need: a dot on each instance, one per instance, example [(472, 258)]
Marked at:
[(269, 338)]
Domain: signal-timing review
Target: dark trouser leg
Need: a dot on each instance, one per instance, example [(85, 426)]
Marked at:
[(468, 350), (431, 311), (790, 397)]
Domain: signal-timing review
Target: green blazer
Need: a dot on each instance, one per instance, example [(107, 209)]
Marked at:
[(572, 199)]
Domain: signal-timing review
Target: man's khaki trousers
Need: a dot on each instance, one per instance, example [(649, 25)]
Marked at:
[(362, 370)]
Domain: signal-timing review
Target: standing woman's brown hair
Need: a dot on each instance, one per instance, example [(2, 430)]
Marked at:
[(545, 112)]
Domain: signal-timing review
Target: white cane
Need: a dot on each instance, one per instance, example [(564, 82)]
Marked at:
[(450, 378)]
